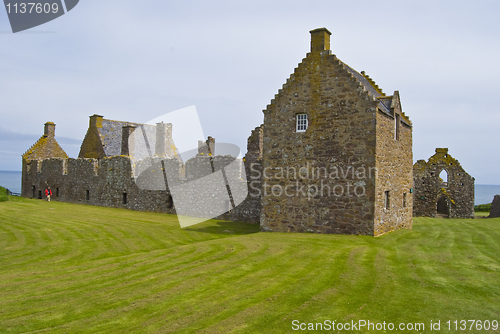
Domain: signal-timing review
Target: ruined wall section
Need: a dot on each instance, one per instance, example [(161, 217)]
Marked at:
[(457, 190), (249, 210), (340, 136), (394, 170), (108, 182), (123, 183)]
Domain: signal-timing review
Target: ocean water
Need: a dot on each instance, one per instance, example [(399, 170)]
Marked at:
[(483, 193), (11, 181)]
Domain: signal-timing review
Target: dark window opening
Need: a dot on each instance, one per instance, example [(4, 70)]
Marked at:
[(87, 195), (387, 202), (39, 194), (169, 201), (124, 198), (57, 192), (34, 192), (404, 200)]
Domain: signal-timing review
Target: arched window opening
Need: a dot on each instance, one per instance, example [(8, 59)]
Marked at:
[(443, 177)]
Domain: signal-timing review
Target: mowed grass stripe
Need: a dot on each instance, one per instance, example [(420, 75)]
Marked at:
[(77, 268)]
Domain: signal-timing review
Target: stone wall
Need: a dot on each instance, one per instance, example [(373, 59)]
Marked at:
[(455, 193), (124, 183), (251, 207), (107, 182), (394, 200)]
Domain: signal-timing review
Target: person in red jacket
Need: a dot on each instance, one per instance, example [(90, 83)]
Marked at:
[(48, 193)]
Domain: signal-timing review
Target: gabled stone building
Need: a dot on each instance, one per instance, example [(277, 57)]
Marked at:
[(337, 152), (442, 187), (46, 147), (109, 138)]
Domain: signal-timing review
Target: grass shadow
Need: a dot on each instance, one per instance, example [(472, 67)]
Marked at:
[(223, 227)]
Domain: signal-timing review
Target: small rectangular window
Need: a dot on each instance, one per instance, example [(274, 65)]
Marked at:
[(387, 203), (124, 198), (404, 200), (87, 195), (57, 192), (301, 122)]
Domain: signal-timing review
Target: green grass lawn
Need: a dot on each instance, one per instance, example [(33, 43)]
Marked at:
[(68, 268)]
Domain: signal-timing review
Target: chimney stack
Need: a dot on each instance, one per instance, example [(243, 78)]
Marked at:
[(207, 146), (320, 39), (49, 130), (96, 121), (441, 150), (127, 144), (163, 146), (211, 145)]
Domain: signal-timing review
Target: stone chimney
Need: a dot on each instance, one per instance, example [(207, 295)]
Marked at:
[(95, 121), (206, 147), (442, 150), (49, 130), (163, 146), (127, 145), (320, 39), (211, 145)]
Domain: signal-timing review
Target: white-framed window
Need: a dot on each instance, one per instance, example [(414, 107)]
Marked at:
[(301, 122)]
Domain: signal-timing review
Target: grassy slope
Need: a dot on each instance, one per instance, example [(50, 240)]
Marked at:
[(75, 268)]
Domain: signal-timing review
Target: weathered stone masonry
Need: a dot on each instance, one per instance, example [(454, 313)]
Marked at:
[(354, 129), (354, 139), (123, 181)]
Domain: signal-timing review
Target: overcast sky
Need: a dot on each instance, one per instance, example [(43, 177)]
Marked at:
[(136, 60)]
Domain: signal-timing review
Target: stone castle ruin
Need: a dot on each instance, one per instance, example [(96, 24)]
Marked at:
[(113, 171), (333, 155), (442, 187)]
